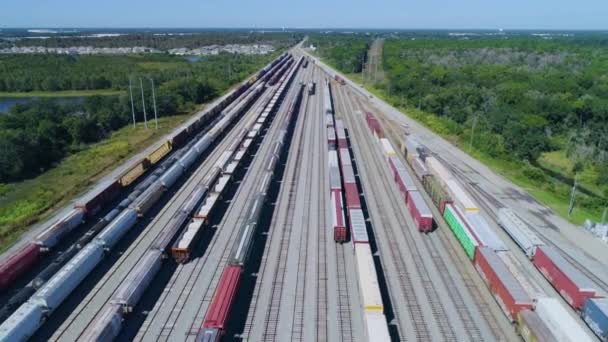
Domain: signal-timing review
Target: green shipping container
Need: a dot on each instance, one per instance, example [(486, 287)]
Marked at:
[(461, 232)]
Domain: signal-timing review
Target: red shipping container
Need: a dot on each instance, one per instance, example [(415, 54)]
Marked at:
[(338, 221), (573, 285), (18, 264), (352, 196), (508, 292), (420, 212), (223, 299)]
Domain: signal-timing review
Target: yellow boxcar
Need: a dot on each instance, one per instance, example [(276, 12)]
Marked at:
[(131, 175), (158, 154)]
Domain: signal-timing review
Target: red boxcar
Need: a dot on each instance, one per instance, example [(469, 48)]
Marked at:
[(94, 202), (571, 283), (508, 292), (180, 138), (223, 299), (420, 211), (18, 264), (352, 196), (338, 221)]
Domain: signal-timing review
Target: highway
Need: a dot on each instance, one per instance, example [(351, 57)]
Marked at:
[(298, 284)]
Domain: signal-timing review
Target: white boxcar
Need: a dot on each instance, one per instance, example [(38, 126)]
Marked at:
[(438, 170), (461, 197), (387, 147), (376, 327), (563, 325), (519, 231), (22, 323), (221, 184), (54, 291), (485, 233), (368, 279)]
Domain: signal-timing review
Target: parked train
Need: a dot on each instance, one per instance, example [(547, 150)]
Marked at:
[(216, 318), (26, 320), (90, 204), (344, 184), (538, 317)]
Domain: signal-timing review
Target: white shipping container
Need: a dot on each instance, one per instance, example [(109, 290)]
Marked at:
[(368, 279), (387, 147), (563, 325), (376, 327), (485, 233), (438, 170), (189, 234), (222, 183), (239, 155), (519, 231), (345, 157), (358, 228), (460, 196), (210, 201)]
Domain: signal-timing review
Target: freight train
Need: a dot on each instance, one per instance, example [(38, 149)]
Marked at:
[(216, 318), (26, 320), (538, 317), (343, 183), (90, 204)]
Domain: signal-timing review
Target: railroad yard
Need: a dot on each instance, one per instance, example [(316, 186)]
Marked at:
[(298, 207)]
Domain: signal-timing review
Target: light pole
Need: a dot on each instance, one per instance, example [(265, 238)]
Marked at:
[(143, 102), (132, 106), (154, 102)]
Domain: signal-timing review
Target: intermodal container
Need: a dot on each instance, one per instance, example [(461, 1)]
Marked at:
[(438, 170), (18, 264), (209, 335), (376, 327), (486, 235), (563, 325), (508, 292), (570, 282), (358, 228), (368, 279), (519, 231), (468, 242), (335, 182), (352, 196), (532, 328), (595, 314), (223, 299), (338, 221), (387, 147), (345, 157), (341, 134), (329, 121), (331, 138), (420, 211), (158, 154), (460, 197)]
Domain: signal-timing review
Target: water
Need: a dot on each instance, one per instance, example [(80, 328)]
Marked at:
[(194, 58), (7, 102)]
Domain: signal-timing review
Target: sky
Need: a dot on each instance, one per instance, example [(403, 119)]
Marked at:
[(447, 14)]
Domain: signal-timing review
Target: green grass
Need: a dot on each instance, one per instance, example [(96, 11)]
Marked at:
[(66, 93), (28, 202)]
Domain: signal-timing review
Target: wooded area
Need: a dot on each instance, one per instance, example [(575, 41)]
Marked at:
[(34, 136), (518, 99)]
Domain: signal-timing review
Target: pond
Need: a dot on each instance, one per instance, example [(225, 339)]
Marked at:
[(7, 102)]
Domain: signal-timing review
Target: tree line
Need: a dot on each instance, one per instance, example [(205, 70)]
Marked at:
[(36, 135)]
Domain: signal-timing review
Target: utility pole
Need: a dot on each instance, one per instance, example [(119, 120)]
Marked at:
[(154, 102), (572, 196), (143, 102), (132, 105)]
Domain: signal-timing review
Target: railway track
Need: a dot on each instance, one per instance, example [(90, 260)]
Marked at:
[(443, 245), (102, 291)]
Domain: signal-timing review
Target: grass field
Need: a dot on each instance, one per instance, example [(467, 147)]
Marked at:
[(25, 203), (553, 193), (67, 93)]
